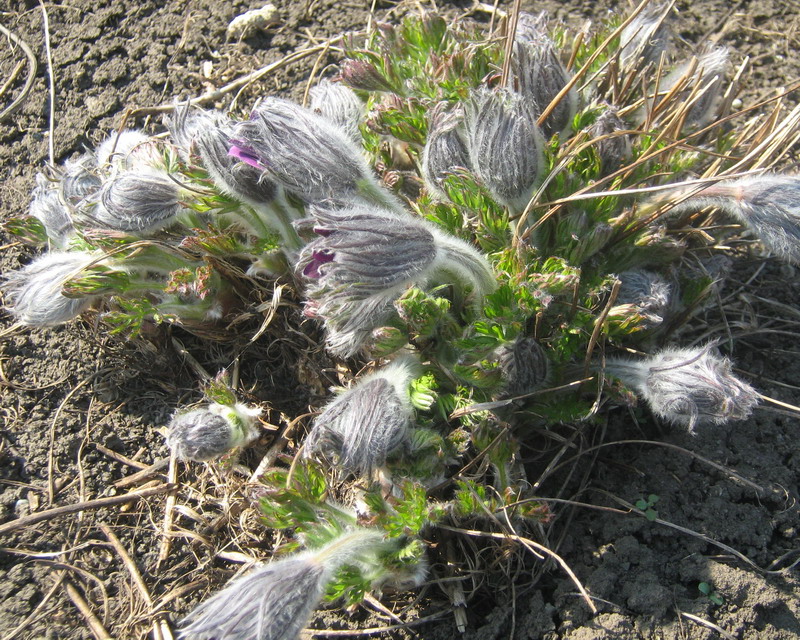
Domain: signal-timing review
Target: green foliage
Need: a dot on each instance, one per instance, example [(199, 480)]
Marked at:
[(712, 594), (647, 506)]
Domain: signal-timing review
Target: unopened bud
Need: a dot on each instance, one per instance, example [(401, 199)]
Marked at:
[(80, 180), (127, 149), (769, 205), (688, 387), (47, 207), (364, 424), (210, 432), (340, 105), (34, 293), (524, 366), (540, 77), (612, 148), (505, 146), (711, 66), (137, 201), (647, 292), (445, 150), (647, 37)]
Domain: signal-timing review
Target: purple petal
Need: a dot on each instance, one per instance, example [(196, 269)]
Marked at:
[(245, 155), (318, 258), (322, 231)]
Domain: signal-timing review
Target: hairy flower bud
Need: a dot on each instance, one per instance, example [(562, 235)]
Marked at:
[(275, 600), (366, 257), (612, 149), (540, 76), (688, 387), (505, 145), (445, 150), (769, 205), (364, 424), (47, 207), (80, 180), (711, 66), (524, 366), (126, 149), (210, 432), (137, 201), (340, 105), (34, 292), (646, 37), (647, 292), (301, 151)]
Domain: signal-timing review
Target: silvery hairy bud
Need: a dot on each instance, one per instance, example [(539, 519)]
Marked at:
[(540, 76), (207, 136), (48, 207), (275, 600), (445, 150), (127, 149), (709, 78), (364, 424), (612, 149), (688, 387), (366, 257), (301, 151), (138, 201), (646, 38), (339, 104), (505, 145), (769, 205), (360, 74), (647, 292), (210, 432), (34, 292), (524, 366), (80, 180)]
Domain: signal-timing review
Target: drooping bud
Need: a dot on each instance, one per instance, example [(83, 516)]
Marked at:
[(275, 600), (445, 150), (505, 145), (366, 257), (688, 387), (648, 35), (613, 149), (47, 207), (524, 366), (364, 424), (340, 105), (210, 432), (769, 205), (34, 292), (137, 201), (540, 76), (301, 151), (647, 292)]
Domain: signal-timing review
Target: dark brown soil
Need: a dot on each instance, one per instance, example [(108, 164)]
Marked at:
[(64, 391)]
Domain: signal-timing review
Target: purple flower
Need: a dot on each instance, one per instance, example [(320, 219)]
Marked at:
[(366, 257), (302, 151)]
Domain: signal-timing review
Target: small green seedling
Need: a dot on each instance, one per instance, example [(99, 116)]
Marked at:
[(647, 506), (709, 592)]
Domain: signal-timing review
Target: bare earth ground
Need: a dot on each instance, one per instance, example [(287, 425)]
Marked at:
[(80, 411)]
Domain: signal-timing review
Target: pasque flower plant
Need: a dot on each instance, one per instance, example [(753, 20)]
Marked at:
[(435, 204)]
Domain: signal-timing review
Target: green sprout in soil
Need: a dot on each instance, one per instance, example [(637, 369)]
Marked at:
[(709, 592), (495, 239), (647, 506)]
